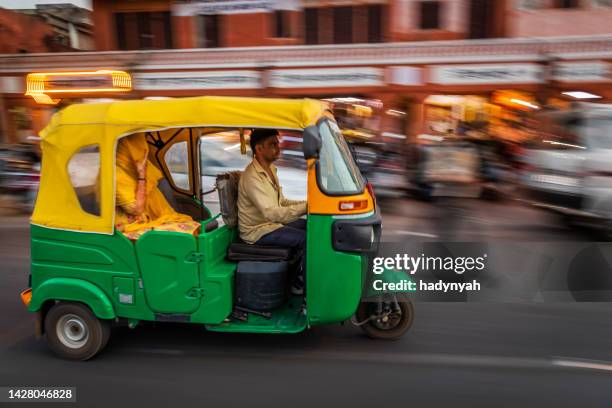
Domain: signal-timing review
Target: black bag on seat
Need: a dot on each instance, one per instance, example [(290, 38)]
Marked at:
[(261, 286), (240, 251)]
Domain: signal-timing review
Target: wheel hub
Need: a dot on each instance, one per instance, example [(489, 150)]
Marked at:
[(388, 320), (72, 331)]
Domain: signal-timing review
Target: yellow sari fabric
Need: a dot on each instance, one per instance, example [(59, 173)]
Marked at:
[(157, 214)]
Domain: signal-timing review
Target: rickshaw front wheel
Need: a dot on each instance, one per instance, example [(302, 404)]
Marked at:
[(387, 319), (74, 332)]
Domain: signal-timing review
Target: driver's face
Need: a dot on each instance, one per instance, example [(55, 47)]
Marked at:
[(270, 149)]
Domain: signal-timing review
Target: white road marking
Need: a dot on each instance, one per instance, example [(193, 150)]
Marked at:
[(579, 363), (416, 234), (483, 361), (170, 352)]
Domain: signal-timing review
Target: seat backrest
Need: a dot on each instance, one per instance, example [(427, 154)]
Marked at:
[(166, 189), (227, 187)]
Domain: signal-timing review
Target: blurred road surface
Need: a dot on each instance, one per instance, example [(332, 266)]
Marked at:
[(455, 355)]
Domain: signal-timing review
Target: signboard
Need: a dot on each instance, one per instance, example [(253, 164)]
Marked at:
[(233, 7), (326, 77), (407, 76), (41, 85), (79, 82), (197, 80), (485, 74), (588, 71), (66, 82)]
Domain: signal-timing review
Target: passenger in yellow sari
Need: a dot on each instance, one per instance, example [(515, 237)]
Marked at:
[(140, 205)]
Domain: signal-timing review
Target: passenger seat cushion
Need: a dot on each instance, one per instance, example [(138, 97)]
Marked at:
[(239, 251)]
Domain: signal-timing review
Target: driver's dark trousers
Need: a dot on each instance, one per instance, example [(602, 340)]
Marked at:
[(292, 235)]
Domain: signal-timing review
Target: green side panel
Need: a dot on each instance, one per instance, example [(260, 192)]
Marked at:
[(61, 251), (123, 291), (216, 276), (288, 319), (333, 279), (169, 271), (94, 258), (77, 290)]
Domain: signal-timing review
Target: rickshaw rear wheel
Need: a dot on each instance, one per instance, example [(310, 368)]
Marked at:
[(74, 332), (387, 319)]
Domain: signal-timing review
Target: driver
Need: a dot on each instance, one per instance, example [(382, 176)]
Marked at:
[(265, 216)]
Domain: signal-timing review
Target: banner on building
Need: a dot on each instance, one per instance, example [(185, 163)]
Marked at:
[(326, 77), (159, 81), (234, 7), (406, 76), (486, 74), (588, 71)]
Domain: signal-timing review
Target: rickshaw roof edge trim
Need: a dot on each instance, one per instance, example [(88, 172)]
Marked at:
[(188, 112)]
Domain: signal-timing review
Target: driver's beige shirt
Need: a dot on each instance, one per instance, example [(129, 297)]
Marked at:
[(262, 208)]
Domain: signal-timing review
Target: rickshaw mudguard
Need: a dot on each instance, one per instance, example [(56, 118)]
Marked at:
[(76, 290), (333, 278)]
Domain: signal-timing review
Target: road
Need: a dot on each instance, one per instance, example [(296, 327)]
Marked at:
[(456, 354), (476, 220)]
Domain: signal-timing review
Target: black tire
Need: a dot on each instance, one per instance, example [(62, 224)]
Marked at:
[(74, 332), (377, 329)]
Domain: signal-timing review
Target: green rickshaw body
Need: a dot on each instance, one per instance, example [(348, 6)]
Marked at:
[(171, 276), (102, 271)]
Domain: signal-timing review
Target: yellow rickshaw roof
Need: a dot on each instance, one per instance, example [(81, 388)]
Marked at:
[(219, 111), (100, 125)]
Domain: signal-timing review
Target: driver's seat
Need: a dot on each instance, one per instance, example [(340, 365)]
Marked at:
[(227, 187)]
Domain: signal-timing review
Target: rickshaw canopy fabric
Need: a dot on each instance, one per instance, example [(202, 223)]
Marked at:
[(100, 125)]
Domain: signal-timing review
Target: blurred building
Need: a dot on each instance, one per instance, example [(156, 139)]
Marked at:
[(128, 25), (432, 66), (71, 24), (21, 33), (548, 18)]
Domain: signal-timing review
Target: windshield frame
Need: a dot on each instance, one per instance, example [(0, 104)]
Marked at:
[(348, 160)]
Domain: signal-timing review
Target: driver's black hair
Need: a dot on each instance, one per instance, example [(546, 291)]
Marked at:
[(258, 136)]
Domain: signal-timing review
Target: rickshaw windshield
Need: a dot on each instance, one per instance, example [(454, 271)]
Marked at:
[(338, 173)]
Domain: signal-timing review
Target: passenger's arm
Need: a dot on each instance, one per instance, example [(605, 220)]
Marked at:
[(137, 207), (270, 210)]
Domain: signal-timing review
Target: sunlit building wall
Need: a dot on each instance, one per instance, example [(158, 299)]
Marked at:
[(545, 18)]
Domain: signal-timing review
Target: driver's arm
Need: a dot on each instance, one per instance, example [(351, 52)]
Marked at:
[(284, 201), (271, 211)]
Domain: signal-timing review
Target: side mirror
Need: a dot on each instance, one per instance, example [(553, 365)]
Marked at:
[(311, 143)]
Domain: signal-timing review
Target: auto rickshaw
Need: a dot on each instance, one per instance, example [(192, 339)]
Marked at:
[(86, 275)]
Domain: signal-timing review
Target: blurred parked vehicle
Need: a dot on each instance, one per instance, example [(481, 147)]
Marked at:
[(447, 167), (568, 168), (20, 174)]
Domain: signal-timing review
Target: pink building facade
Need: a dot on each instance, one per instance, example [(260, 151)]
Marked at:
[(554, 18)]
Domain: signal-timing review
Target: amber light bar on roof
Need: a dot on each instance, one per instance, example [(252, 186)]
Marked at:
[(43, 84)]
